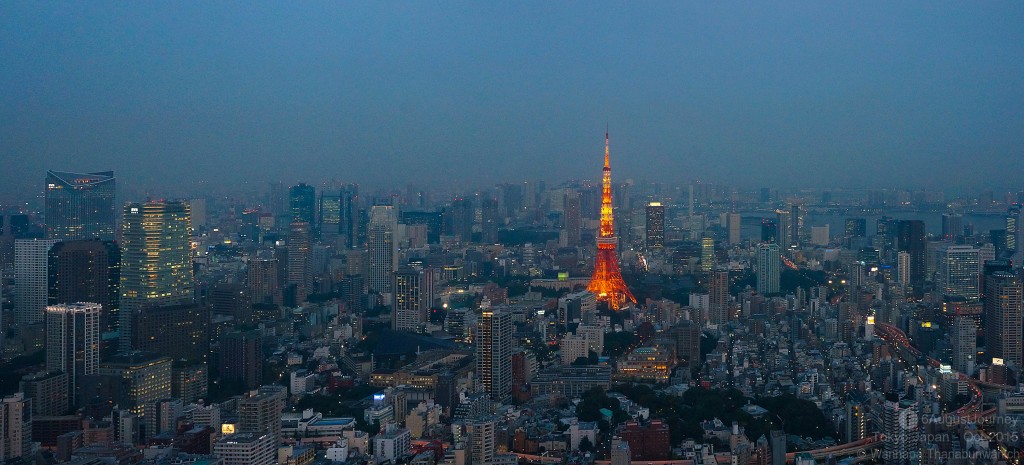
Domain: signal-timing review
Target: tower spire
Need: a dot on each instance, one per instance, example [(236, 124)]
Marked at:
[(606, 281)]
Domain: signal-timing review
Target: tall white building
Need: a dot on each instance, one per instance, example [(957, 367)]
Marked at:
[(381, 257), (31, 274), (903, 269), (494, 353), (959, 272), (73, 342), (902, 433), (769, 259)]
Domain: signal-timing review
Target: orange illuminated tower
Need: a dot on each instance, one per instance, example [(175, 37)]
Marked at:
[(607, 280)]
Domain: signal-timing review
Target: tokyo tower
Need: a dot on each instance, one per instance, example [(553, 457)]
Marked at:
[(607, 280)]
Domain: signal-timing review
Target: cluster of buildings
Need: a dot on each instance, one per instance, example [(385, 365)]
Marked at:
[(320, 324)]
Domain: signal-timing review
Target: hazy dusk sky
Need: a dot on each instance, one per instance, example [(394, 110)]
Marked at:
[(811, 94)]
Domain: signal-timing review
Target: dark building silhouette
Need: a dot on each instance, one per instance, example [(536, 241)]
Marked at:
[(910, 238), (655, 236), (302, 203), (180, 332), (241, 358), (769, 230), (86, 271)]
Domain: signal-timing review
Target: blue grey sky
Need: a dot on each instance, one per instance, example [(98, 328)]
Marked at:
[(803, 94)]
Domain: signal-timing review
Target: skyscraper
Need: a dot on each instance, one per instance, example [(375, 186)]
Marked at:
[(959, 271), (769, 260), (965, 343), (769, 230), (707, 253), (903, 269), (241, 357), (460, 218), (910, 239), (87, 271), (349, 218), (718, 297), (734, 225), (31, 275), (1015, 235), (73, 343), (299, 269), (302, 203), (79, 205), (329, 218), (1003, 294), (572, 218), (856, 227), (952, 226), (381, 248), (655, 236), (261, 281), (491, 219), (156, 262), (785, 228), (414, 292), (606, 282), (494, 353)]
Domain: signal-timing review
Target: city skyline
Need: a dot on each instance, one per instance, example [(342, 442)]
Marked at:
[(806, 95)]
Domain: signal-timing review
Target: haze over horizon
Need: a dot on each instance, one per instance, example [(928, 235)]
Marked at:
[(869, 94)]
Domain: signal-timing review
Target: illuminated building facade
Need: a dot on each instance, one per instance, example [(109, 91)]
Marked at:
[(606, 281), (80, 205), (156, 262), (655, 236), (141, 377), (414, 292), (494, 353)]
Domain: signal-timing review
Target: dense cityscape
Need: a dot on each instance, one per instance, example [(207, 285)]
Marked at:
[(511, 233), (588, 322)]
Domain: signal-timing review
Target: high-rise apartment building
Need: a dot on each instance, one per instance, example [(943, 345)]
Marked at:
[(1003, 301), (80, 205), (903, 269), (655, 236), (718, 297), (414, 293), (381, 256), (260, 411), (262, 281), (73, 343), (769, 230), (156, 262), (769, 261), (902, 430), (31, 275), (494, 353), (734, 224), (964, 338), (87, 271), (15, 427)]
